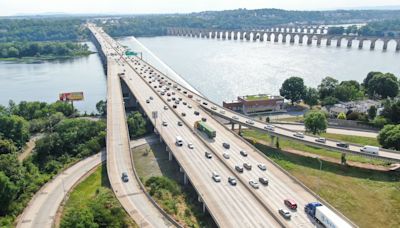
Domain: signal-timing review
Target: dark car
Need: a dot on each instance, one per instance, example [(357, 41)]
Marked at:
[(205, 103), (203, 119), (196, 113), (290, 204), (342, 144), (226, 145), (124, 177), (263, 180), (232, 181), (239, 168), (174, 106), (243, 153)]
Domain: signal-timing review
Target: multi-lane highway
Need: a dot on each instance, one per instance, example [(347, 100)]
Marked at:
[(230, 206)]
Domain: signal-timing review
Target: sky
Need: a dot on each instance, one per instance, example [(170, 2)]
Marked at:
[(18, 7)]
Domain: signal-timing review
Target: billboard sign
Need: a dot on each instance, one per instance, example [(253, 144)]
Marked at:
[(73, 96)]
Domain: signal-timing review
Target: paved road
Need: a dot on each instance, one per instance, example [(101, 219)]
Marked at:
[(43, 207), (119, 160), (332, 130), (230, 206)]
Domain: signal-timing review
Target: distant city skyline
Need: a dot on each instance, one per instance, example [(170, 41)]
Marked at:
[(32, 7)]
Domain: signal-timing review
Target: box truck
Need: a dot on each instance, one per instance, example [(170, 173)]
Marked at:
[(202, 126), (325, 216)]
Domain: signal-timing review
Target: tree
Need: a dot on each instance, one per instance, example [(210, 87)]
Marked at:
[(8, 192), (389, 137), (15, 128), (79, 218), (315, 122), (329, 101), (136, 124), (327, 87), (366, 80), (293, 89), (341, 116), (383, 86), (7, 146), (101, 107), (372, 112), (391, 111), (346, 92), (311, 97)]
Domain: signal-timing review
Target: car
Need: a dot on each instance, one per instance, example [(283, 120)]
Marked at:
[(205, 103), (208, 154), (342, 144), (184, 92), (180, 98), (254, 184), (285, 213), (183, 114), (320, 140), (269, 128), (151, 98), (226, 145), (216, 177), (189, 106), (290, 204), (247, 165), (263, 180), (165, 107), (168, 94), (164, 123), (125, 177), (232, 181), (184, 103), (162, 93), (198, 100), (179, 89), (173, 98), (180, 123), (190, 146), (235, 117), (196, 113), (243, 153), (203, 119), (226, 155), (190, 96), (147, 101), (249, 122), (177, 102), (173, 93), (239, 168), (214, 108), (169, 100), (222, 112), (174, 106), (298, 135), (155, 87), (263, 167)]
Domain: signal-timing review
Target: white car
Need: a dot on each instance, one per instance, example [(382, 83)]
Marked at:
[(214, 108), (298, 135), (189, 106), (320, 140), (165, 107), (226, 155), (254, 184), (222, 112), (235, 117), (191, 146), (216, 177), (263, 167), (249, 122), (269, 128)]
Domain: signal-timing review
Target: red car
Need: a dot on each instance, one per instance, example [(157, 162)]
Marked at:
[(290, 204)]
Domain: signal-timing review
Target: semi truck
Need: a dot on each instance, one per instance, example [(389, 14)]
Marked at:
[(202, 126), (325, 216)]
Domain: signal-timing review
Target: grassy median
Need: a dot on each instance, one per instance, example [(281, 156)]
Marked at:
[(164, 182), (369, 198), (95, 197)]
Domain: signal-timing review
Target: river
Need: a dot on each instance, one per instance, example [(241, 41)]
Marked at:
[(221, 70)]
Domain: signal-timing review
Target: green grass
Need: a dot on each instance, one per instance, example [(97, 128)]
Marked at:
[(368, 198), (152, 161), (256, 97), (291, 144), (353, 139), (86, 190)]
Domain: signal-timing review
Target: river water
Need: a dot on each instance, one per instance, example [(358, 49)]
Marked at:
[(221, 70)]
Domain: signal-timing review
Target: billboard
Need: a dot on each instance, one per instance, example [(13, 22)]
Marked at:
[(73, 96)]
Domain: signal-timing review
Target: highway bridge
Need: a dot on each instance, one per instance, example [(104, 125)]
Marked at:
[(173, 111)]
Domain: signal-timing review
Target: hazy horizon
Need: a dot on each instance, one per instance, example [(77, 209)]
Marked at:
[(115, 7)]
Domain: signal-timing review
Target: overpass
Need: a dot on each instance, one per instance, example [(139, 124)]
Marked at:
[(303, 35), (230, 206)]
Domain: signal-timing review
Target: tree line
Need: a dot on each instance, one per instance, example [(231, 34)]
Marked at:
[(65, 140), (42, 49), (387, 28)]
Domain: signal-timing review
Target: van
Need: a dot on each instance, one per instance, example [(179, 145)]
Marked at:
[(370, 149), (179, 141)]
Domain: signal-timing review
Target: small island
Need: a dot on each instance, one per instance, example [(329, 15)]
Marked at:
[(33, 51)]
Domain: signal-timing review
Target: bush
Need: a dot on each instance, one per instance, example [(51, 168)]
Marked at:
[(379, 121), (389, 137), (156, 184)]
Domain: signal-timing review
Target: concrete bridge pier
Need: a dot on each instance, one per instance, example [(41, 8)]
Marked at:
[(233, 126), (319, 41), (328, 42), (240, 129), (360, 44), (350, 43), (385, 45), (372, 47), (201, 201), (268, 37), (276, 38), (291, 39), (272, 140), (309, 40), (284, 38), (398, 46), (185, 178)]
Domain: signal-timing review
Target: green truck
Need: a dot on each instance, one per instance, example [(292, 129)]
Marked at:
[(202, 126)]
